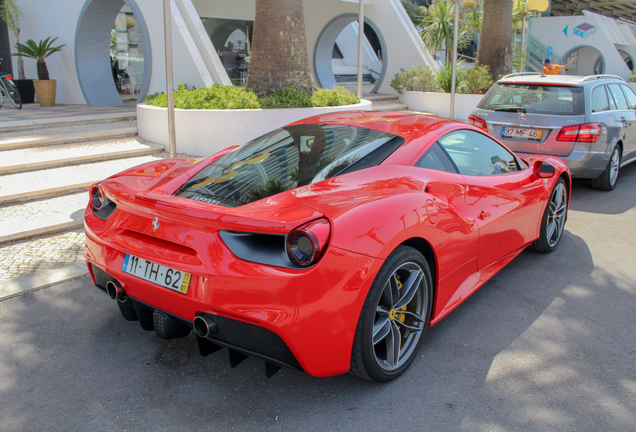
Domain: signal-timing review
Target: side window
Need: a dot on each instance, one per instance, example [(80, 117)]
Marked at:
[(477, 155), (630, 96), (437, 159), (599, 99), (619, 97)]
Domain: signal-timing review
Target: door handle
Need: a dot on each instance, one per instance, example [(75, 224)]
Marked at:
[(483, 215)]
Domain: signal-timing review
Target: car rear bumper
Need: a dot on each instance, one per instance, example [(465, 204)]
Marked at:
[(300, 318), (583, 162)]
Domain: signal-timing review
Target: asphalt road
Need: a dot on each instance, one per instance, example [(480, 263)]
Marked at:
[(546, 345)]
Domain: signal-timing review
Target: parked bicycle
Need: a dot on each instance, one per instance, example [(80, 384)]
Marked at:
[(7, 88)]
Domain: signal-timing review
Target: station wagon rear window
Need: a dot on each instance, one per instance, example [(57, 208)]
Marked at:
[(535, 99)]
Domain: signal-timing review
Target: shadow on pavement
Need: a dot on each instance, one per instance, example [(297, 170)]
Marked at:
[(526, 352)]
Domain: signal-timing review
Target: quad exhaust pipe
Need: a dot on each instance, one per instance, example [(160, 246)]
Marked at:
[(115, 290)]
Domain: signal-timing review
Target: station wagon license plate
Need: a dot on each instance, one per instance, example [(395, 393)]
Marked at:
[(521, 133), (166, 277)]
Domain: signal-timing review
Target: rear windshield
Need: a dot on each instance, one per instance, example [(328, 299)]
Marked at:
[(288, 158), (535, 98)]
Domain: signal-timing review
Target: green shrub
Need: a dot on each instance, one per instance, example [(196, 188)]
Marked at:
[(231, 97), (333, 97), (445, 78), (289, 97), (477, 80), (415, 78), (215, 97)]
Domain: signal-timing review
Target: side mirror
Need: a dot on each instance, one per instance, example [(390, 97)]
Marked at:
[(543, 169)]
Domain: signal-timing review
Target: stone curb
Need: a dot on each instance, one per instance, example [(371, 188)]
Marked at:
[(31, 282)]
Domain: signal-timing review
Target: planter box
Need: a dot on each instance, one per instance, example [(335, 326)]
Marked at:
[(205, 132), (26, 90), (439, 103)]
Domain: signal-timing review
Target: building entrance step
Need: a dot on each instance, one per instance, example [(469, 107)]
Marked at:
[(34, 158), (32, 185)]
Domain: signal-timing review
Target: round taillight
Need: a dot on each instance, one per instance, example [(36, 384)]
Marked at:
[(306, 244), (97, 198)]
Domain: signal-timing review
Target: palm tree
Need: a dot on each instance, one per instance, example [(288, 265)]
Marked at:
[(279, 57), (495, 40), (39, 52), (439, 26)]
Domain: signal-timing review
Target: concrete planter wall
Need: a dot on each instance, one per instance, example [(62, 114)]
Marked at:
[(205, 132), (439, 103), (632, 85)]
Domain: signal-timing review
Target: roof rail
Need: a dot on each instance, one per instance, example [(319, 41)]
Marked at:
[(520, 74), (601, 76)]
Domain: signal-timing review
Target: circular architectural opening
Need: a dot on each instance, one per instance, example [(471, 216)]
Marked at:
[(336, 54), (112, 52), (127, 55), (590, 61), (231, 38)]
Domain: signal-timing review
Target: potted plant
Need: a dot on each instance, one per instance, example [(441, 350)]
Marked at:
[(11, 14), (44, 87)]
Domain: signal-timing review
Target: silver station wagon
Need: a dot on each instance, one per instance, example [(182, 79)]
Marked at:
[(589, 122)]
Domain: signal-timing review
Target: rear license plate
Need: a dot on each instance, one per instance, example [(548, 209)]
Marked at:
[(521, 133), (166, 277)]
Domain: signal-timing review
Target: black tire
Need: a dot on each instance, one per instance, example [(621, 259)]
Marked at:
[(13, 94), (607, 181), (392, 313), (553, 221)]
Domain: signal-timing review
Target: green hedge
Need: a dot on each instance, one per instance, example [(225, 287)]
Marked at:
[(475, 80), (231, 97)]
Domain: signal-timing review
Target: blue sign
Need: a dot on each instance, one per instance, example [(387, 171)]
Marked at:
[(584, 30)]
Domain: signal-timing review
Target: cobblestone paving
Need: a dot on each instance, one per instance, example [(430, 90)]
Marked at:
[(70, 206), (39, 254)]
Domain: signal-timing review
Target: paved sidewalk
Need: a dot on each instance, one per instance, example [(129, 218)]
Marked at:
[(37, 262)]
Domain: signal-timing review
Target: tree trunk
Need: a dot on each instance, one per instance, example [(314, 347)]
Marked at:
[(279, 56), (495, 40), (43, 71)]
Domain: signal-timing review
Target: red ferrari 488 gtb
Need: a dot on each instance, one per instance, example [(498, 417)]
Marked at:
[(328, 245)]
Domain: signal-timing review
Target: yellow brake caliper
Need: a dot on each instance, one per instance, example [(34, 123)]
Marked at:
[(400, 317)]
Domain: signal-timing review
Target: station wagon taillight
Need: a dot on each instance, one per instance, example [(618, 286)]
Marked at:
[(476, 121), (586, 132)]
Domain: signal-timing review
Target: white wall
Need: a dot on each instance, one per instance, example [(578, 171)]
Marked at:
[(60, 18), (551, 32)]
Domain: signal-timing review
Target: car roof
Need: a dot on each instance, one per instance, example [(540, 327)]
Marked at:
[(405, 124), (530, 77)]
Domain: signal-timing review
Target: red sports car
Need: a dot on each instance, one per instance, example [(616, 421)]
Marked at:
[(328, 245)]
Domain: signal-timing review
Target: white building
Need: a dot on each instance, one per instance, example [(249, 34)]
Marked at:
[(134, 31), (602, 44)]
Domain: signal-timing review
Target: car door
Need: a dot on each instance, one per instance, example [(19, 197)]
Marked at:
[(502, 194), (628, 118)]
